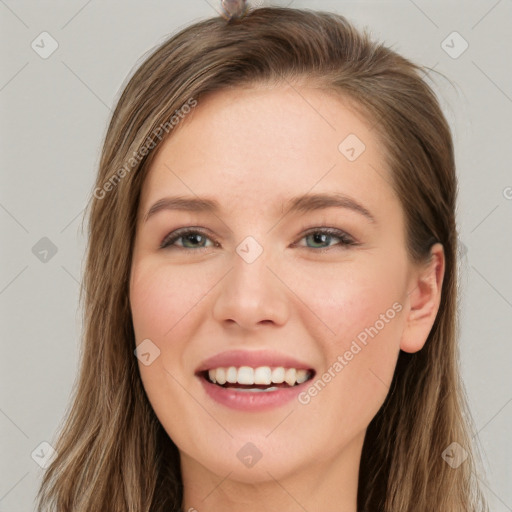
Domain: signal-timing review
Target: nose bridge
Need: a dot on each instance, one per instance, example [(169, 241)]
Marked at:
[(250, 293)]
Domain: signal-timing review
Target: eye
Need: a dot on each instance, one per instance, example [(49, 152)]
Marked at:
[(322, 236), (191, 239), (194, 238)]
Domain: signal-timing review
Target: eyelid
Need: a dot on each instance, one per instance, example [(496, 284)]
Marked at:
[(346, 238), (178, 233)]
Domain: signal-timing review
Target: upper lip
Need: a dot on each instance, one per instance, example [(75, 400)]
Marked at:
[(252, 358)]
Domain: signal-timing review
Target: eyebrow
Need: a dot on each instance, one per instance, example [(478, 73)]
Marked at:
[(300, 204)]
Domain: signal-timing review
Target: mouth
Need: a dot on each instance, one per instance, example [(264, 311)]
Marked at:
[(253, 380), (261, 379)]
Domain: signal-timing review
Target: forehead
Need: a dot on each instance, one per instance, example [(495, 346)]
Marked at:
[(257, 146)]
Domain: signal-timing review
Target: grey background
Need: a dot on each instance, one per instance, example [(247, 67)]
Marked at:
[(53, 119)]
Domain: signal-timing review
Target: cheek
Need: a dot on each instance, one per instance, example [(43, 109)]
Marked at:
[(168, 303), (362, 307), (163, 301), (351, 298), (161, 298)]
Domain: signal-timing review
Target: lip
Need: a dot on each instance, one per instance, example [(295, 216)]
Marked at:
[(251, 400), (253, 358)]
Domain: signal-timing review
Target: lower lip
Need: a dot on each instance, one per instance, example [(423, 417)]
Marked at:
[(251, 401)]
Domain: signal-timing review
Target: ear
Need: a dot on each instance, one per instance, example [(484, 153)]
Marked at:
[(424, 298)]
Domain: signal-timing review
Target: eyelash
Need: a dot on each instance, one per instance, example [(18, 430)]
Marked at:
[(345, 239)]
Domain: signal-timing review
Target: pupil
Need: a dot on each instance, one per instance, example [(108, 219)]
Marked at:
[(320, 238), (193, 238)]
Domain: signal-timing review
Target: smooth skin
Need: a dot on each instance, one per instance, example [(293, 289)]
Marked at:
[(308, 296)]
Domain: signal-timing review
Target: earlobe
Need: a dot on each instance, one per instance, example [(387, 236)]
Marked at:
[(424, 300)]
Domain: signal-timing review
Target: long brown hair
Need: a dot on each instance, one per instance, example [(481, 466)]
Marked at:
[(113, 453)]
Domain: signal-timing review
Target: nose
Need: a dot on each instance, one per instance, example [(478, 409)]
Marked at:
[(251, 295)]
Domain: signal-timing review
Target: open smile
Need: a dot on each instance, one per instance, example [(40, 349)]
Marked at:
[(254, 388)]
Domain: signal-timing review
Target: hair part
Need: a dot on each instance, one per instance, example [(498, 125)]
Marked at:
[(113, 453)]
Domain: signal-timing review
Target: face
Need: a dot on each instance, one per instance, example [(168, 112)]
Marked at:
[(258, 286)]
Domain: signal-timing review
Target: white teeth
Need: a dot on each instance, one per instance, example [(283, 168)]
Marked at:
[(245, 375), (278, 375), (257, 390), (302, 376), (262, 375), (290, 377), (220, 376), (230, 374)]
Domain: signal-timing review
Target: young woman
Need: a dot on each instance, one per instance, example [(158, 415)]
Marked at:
[(270, 290)]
